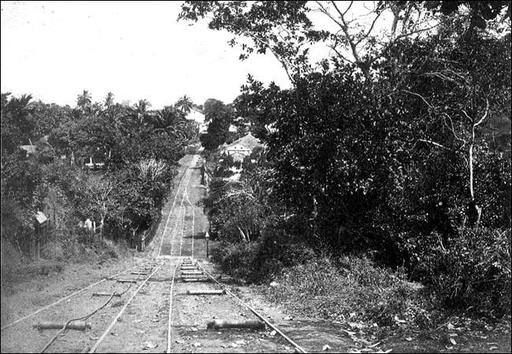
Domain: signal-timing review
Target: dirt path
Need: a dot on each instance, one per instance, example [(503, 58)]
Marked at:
[(139, 319)]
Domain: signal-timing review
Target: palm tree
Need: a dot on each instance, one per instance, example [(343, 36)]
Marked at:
[(109, 100), (84, 100), (141, 109), (184, 104)]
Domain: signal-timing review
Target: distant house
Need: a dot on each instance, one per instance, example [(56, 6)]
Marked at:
[(198, 116), (241, 148), (40, 145)]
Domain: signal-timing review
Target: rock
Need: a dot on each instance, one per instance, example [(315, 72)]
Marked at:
[(326, 347), (398, 320), (408, 339), (194, 329), (149, 345), (288, 318), (355, 325), (450, 327), (196, 344), (273, 333), (274, 284)]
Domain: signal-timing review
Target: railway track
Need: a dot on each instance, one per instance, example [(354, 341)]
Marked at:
[(154, 307)]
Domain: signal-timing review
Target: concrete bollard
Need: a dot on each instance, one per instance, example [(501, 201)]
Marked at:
[(218, 324), (78, 325)]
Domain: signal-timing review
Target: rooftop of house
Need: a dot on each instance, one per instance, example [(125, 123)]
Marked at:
[(248, 141)]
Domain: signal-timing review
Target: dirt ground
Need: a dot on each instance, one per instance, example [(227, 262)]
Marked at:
[(143, 326)]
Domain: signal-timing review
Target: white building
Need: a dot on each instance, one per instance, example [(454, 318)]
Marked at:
[(241, 148), (198, 117)]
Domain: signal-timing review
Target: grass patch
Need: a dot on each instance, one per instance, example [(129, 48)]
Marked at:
[(350, 288)]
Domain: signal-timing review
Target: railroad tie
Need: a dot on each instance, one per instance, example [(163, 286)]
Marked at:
[(126, 281), (105, 294), (218, 324), (195, 280), (78, 325), (187, 267), (206, 292)]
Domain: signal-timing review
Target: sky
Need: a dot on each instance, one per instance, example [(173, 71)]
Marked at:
[(137, 50)]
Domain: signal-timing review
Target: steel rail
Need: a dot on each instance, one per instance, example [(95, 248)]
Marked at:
[(183, 215), (193, 225), (120, 313), (297, 347), (60, 300), (169, 328), (170, 211)]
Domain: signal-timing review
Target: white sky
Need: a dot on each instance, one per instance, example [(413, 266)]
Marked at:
[(137, 50), (54, 50)]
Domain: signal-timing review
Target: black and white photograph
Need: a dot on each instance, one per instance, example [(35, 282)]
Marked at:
[(256, 177)]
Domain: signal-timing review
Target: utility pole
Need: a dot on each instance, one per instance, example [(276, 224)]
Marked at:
[(207, 236)]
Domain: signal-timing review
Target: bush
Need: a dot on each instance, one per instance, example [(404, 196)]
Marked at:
[(471, 271), (236, 259), (260, 260), (348, 288)]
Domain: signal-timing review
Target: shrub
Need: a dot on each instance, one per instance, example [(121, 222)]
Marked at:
[(236, 259), (348, 288), (471, 271)]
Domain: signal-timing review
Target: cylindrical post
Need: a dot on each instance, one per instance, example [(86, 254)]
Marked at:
[(207, 236)]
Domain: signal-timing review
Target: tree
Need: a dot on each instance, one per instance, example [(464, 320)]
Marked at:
[(109, 100), (280, 27), (84, 101), (220, 117), (184, 104), (461, 86)]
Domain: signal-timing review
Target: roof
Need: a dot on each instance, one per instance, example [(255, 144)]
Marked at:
[(196, 116), (248, 141)]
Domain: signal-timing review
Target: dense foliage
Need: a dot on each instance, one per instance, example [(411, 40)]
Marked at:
[(400, 146), (136, 150)]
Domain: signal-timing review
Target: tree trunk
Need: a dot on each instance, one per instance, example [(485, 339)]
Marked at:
[(474, 212)]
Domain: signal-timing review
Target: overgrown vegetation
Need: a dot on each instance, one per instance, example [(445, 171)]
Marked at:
[(396, 149), (133, 151)]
